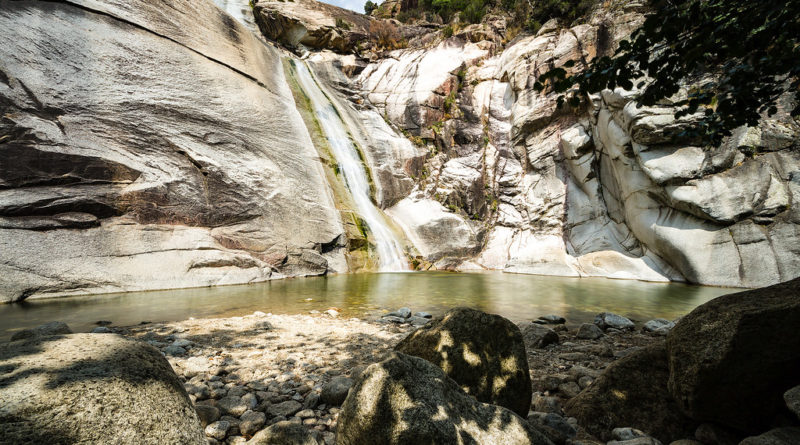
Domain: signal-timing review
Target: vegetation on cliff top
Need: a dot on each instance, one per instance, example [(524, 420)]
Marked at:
[(739, 56)]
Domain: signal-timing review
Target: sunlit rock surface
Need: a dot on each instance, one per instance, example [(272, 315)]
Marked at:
[(147, 148)]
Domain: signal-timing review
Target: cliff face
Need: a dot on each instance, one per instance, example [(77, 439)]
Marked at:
[(149, 147), (513, 183)]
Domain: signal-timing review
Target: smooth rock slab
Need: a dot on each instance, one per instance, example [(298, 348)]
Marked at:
[(484, 353), (408, 400), (86, 388)]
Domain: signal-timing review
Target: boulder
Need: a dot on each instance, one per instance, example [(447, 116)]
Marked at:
[(606, 320), (589, 331), (658, 326), (538, 336), (632, 391), (45, 330), (792, 399), (484, 353), (738, 350), (408, 400), (284, 433), (777, 436), (85, 388)]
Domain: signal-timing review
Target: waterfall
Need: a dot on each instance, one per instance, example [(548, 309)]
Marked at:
[(390, 252)]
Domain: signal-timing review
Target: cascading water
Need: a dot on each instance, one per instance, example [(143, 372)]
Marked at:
[(390, 252)]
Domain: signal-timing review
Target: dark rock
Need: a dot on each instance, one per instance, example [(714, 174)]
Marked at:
[(738, 350), (335, 391), (45, 330), (403, 312), (284, 433), (569, 389), (555, 427), (538, 336), (207, 414), (408, 400), (546, 404), (101, 330), (589, 331), (711, 434), (311, 401), (658, 326), (484, 353), (608, 320), (218, 430), (284, 409), (86, 388), (423, 315), (550, 319), (251, 422), (636, 441), (632, 391), (418, 321), (778, 436), (627, 433)]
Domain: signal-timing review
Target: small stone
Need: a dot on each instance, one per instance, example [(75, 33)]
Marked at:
[(589, 331), (311, 401), (335, 391), (207, 414), (636, 441), (550, 319), (423, 315), (658, 326), (418, 321), (392, 319), (102, 323), (101, 330), (569, 389), (546, 404), (627, 433), (282, 433), (284, 409), (792, 398), (182, 343), (403, 312), (332, 312), (251, 422), (685, 442), (585, 381), (218, 430), (236, 391), (233, 405), (45, 330), (250, 400), (259, 314), (538, 336), (606, 320), (554, 426), (306, 413), (174, 350)]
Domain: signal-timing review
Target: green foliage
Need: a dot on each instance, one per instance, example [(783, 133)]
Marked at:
[(751, 48), (447, 31), (369, 6), (342, 23), (449, 101), (566, 11), (472, 11)]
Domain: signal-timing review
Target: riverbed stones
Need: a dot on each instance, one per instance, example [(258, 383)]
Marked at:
[(125, 392), (234, 405), (658, 326), (405, 399), (738, 350), (251, 422), (335, 391), (589, 331), (608, 320), (550, 319), (284, 409), (207, 414), (484, 353), (218, 430), (632, 391), (403, 312), (538, 336), (284, 433), (45, 330), (777, 436)]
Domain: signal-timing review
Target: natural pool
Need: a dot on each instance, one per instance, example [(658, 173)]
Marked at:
[(518, 297)]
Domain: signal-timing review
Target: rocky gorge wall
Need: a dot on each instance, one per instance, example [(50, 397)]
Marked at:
[(513, 183), (150, 147)]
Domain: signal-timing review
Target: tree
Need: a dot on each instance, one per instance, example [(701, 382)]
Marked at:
[(737, 56), (370, 6)]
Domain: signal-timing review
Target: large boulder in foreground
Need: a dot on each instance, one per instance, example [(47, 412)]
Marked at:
[(739, 350), (408, 400), (484, 353), (88, 388), (632, 392)]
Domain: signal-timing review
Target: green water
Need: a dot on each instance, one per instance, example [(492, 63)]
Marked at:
[(518, 297)]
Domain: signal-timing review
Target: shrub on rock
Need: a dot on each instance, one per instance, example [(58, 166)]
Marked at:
[(484, 353), (632, 392), (408, 400), (739, 350), (85, 388)]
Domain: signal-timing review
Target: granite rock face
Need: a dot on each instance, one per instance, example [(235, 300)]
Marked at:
[(85, 388), (168, 147)]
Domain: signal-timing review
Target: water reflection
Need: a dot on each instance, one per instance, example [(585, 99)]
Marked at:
[(518, 297)]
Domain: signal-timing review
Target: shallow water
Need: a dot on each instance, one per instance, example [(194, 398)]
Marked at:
[(518, 297)]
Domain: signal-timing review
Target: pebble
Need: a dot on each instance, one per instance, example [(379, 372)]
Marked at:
[(606, 320), (403, 312), (589, 331), (251, 422), (332, 312), (658, 326), (233, 405), (218, 430), (306, 413), (335, 391), (636, 441), (182, 343), (550, 319), (259, 314), (207, 414), (101, 330), (284, 409), (423, 315), (174, 350), (627, 433)]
